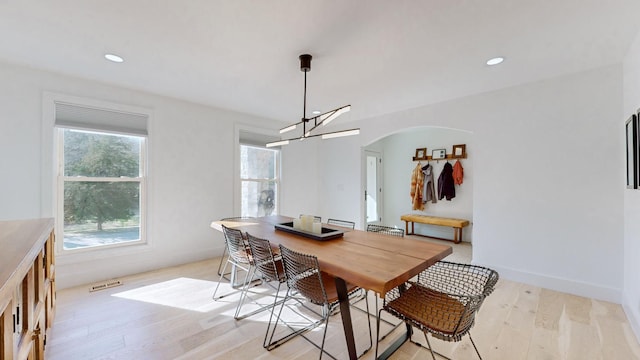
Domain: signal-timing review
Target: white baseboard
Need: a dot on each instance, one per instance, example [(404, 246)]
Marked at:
[(633, 317), (574, 287)]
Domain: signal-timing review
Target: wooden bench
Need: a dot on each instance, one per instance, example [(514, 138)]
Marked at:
[(456, 224)]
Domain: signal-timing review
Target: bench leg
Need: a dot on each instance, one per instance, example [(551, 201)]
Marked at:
[(457, 235)]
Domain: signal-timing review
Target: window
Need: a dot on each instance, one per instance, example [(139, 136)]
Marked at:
[(100, 176), (100, 184), (259, 180)]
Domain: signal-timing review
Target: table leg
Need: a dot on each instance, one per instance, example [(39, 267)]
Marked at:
[(343, 297)]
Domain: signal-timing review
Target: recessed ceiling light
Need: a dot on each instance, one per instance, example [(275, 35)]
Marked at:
[(495, 61), (316, 112), (114, 58)]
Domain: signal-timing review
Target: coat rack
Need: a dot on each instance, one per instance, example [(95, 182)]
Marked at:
[(457, 152)]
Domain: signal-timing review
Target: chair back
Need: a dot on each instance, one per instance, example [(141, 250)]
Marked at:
[(343, 223), (385, 230), (236, 245), (303, 275), (460, 290), (263, 259), (462, 279)]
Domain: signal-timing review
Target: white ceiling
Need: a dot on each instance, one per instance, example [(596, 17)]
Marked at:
[(380, 56)]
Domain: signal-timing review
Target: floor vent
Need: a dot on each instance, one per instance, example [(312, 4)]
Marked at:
[(105, 285)]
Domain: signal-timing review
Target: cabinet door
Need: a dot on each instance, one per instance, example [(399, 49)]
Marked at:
[(6, 333)]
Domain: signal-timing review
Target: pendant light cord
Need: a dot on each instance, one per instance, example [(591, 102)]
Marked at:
[(304, 106)]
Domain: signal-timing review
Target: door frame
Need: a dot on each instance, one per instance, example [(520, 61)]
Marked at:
[(380, 185)]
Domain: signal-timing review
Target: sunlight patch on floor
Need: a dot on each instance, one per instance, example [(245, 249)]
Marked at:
[(183, 293)]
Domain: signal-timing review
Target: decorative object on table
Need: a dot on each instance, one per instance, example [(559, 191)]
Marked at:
[(429, 189), (458, 173), (421, 154), (439, 154), (324, 234), (417, 183), (311, 124), (446, 188), (308, 223), (459, 151), (443, 301), (632, 151)]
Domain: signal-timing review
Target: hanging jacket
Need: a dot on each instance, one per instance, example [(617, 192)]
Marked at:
[(429, 190), (417, 178), (446, 187), (458, 173)]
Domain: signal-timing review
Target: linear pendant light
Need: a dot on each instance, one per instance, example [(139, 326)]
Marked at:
[(316, 121)]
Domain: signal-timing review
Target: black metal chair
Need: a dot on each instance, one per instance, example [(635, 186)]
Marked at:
[(239, 257), (385, 230), (224, 251), (443, 301), (343, 223), (270, 269), (305, 278)]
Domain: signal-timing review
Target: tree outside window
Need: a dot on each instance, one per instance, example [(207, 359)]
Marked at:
[(102, 186)]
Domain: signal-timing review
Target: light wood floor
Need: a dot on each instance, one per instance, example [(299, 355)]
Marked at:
[(169, 314)]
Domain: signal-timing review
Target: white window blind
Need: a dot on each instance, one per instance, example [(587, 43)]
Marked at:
[(249, 138), (81, 117)]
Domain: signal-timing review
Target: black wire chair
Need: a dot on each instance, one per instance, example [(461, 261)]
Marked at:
[(443, 301), (239, 257), (224, 251), (385, 230), (343, 223), (305, 278), (270, 269)]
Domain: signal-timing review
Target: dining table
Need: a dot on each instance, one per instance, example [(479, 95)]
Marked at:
[(370, 260)]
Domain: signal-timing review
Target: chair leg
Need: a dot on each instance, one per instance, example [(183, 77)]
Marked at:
[(243, 293), (368, 323), (429, 345), (219, 281), (265, 344), (474, 346), (379, 318), (222, 259), (377, 327), (233, 271), (272, 344), (325, 315)]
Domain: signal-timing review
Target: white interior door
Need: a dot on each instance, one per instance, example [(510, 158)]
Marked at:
[(373, 188)]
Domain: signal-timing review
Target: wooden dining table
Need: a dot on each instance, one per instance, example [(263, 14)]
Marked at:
[(372, 261)]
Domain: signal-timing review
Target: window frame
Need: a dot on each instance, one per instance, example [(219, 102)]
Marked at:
[(61, 179), (276, 180)]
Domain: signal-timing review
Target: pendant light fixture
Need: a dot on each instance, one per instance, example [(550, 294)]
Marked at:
[(310, 124)]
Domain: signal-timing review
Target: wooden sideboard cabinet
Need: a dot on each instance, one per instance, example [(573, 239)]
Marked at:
[(27, 287)]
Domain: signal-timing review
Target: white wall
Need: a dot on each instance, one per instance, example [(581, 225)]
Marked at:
[(631, 296), (191, 172), (548, 169), (398, 150)]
